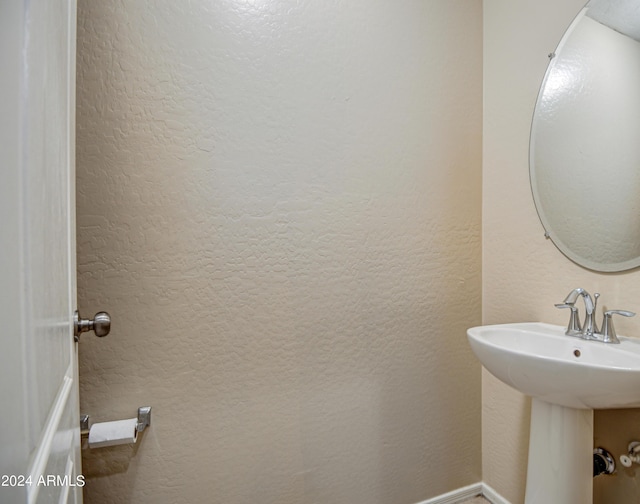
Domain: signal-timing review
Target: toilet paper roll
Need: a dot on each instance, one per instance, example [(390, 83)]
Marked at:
[(114, 433)]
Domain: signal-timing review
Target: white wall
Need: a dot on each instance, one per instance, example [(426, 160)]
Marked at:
[(523, 273), (279, 204)]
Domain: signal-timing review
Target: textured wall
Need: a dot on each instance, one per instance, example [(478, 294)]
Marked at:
[(524, 274), (279, 202)]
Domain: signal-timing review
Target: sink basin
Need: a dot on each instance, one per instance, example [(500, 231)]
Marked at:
[(539, 360), (567, 378)]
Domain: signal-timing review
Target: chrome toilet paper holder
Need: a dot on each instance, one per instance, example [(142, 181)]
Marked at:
[(144, 421)]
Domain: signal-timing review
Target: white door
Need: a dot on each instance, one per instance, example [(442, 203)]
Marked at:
[(39, 418)]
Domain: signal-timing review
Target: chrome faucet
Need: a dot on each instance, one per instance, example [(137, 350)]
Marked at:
[(589, 330), (575, 328)]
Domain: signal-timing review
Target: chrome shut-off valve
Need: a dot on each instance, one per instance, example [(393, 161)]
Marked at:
[(100, 324)]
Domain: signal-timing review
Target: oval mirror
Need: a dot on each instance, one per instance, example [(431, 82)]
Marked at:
[(585, 139)]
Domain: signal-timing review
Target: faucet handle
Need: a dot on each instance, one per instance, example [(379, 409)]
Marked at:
[(608, 331), (574, 326)]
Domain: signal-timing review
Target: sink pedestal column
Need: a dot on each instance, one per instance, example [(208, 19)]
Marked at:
[(560, 467)]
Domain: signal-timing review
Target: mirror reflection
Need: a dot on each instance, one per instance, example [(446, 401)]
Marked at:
[(585, 139)]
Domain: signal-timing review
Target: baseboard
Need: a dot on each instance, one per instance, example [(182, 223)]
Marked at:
[(461, 494), (492, 496), (456, 495)]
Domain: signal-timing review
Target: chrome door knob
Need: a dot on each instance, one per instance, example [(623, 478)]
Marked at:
[(100, 325)]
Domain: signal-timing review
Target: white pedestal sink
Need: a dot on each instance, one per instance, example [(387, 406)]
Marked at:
[(567, 378)]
